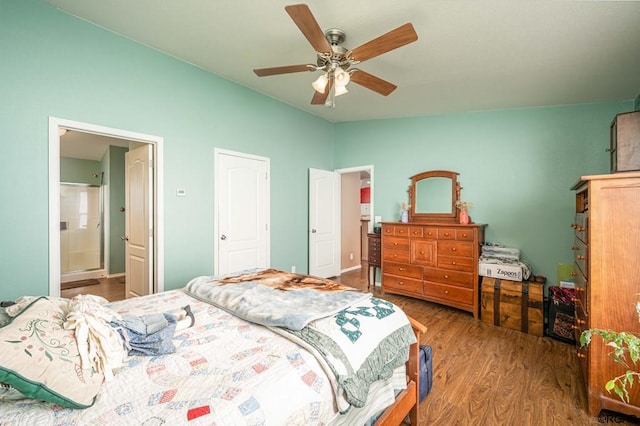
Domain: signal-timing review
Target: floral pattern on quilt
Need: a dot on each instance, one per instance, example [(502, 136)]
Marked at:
[(199, 385)]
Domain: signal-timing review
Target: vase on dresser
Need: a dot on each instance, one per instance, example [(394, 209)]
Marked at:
[(464, 217)]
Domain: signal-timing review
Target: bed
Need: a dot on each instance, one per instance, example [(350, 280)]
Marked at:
[(244, 361)]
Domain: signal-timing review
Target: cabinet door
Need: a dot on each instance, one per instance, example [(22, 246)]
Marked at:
[(423, 252)]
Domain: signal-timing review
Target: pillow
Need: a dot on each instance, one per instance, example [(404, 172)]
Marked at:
[(40, 359)]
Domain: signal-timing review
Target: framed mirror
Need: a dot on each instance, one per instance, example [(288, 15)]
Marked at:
[(433, 196)]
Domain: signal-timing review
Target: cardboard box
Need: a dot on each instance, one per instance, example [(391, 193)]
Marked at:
[(513, 304), (502, 271)]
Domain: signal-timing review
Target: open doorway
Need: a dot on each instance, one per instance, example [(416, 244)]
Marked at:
[(87, 150), (356, 215)]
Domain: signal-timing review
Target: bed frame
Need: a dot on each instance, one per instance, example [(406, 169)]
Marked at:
[(408, 400)]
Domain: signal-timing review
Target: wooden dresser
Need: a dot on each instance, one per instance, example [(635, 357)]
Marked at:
[(433, 261), (374, 257), (607, 278)]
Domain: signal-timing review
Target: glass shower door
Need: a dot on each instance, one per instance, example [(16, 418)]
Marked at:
[(80, 228)]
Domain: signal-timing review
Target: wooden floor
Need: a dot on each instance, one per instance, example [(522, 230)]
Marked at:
[(483, 375), (111, 289)]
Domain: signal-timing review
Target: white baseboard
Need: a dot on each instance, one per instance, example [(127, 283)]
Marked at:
[(83, 275), (353, 268)]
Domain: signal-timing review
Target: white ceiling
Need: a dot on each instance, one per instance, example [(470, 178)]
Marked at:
[(470, 55), (88, 146)]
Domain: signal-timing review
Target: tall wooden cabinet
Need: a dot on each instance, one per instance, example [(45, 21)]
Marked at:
[(433, 261), (607, 276)]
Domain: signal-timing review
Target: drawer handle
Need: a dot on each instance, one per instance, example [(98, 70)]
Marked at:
[(581, 257), (446, 292), (401, 282), (574, 226), (573, 274), (421, 252), (575, 248), (464, 235), (446, 234), (446, 277), (581, 355), (453, 249), (429, 233), (400, 269), (453, 263), (395, 255), (395, 244)]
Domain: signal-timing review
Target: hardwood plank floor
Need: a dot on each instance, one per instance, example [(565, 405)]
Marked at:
[(111, 289), (483, 375), (487, 375)]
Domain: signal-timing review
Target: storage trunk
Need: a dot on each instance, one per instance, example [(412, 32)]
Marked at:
[(517, 305)]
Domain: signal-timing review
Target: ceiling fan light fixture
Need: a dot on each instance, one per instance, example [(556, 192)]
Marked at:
[(341, 77), (321, 83), (340, 90)]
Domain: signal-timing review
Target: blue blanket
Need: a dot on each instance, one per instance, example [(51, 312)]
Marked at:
[(275, 298)]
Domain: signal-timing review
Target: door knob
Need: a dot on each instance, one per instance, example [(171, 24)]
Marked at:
[(313, 231), (223, 237), (125, 238)]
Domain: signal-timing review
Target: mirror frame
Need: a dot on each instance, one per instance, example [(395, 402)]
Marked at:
[(435, 217)]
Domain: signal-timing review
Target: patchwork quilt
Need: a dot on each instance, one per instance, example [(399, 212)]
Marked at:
[(359, 339), (226, 371)]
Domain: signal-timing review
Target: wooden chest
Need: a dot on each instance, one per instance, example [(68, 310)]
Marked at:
[(517, 305)]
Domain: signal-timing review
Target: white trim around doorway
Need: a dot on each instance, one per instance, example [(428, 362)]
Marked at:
[(55, 124)]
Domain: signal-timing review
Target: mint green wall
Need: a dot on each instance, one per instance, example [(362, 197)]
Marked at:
[(636, 105), (75, 170), (57, 65), (116, 201), (516, 166)]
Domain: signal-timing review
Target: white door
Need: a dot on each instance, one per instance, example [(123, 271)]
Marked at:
[(138, 221), (242, 211), (324, 223)]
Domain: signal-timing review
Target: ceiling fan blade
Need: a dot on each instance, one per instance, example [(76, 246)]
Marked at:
[(372, 82), (321, 98), (304, 19), (402, 35), (263, 72)]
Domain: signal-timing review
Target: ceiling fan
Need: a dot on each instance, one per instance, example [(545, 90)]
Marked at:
[(336, 62)]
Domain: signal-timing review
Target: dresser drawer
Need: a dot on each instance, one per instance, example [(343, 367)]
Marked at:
[(429, 233), (402, 270), (465, 234), (395, 230), (446, 233), (400, 230), (446, 276), (581, 283), (453, 294), (464, 264), (395, 243), (455, 248), (581, 226), (416, 231), (580, 255), (390, 283), (423, 252), (401, 256)]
